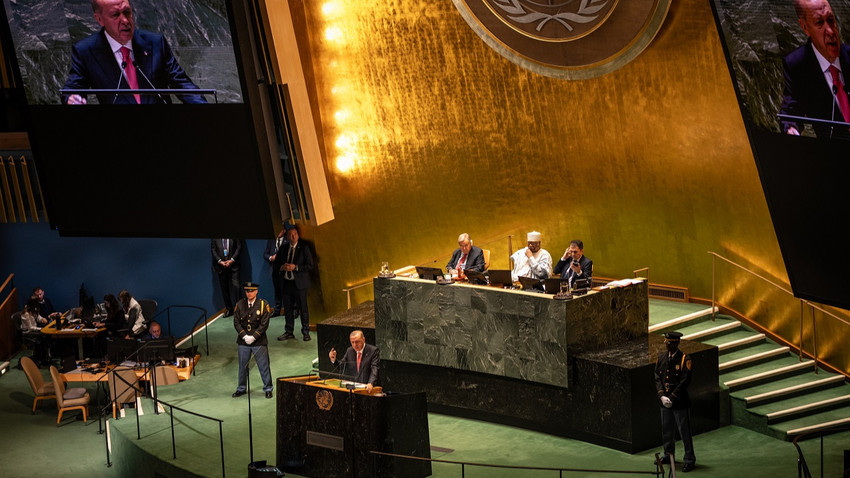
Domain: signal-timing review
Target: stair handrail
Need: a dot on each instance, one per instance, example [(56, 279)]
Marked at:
[(803, 303), (803, 467)]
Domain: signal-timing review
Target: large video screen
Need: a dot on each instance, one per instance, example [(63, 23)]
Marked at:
[(126, 162), (790, 64), (61, 43)]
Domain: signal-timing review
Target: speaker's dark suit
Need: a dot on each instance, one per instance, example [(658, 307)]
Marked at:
[(474, 260), (563, 268), (294, 290), (369, 365), (93, 65), (807, 92)]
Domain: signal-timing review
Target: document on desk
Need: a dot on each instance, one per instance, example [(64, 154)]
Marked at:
[(89, 330), (623, 282)]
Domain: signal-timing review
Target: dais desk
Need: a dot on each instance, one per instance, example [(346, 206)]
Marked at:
[(505, 332), (581, 368)]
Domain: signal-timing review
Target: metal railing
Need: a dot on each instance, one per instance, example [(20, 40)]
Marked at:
[(156, 403), (803, 467), (368, 282), (659, 471), (803, 304)]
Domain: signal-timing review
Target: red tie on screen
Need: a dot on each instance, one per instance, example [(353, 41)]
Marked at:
[(843, 104), (359, 354), (130, 72)]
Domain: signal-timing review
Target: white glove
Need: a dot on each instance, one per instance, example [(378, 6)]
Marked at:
[(666, 402), (249, 339)]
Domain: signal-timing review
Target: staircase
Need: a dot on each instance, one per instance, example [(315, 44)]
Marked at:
[(771, 390)]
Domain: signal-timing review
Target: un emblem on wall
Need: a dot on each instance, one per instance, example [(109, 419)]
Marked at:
[(324, 399), (571, 39)]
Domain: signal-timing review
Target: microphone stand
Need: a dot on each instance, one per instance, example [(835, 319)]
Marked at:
[(350, 387), (250, 420)]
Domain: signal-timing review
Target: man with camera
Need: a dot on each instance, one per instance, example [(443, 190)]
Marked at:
[(574, 265)]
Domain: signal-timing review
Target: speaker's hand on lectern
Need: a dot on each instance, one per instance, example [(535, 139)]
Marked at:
[(332, 354), (369, 387)]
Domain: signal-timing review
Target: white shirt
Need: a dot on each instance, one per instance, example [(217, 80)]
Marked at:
[(538, 266), (116, 50), (824, 67)]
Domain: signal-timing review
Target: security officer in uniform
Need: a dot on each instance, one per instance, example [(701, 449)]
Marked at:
[(251, 319), (672, 377)]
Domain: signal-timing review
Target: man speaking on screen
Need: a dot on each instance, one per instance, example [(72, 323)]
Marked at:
[(121, 57), (816, 73)]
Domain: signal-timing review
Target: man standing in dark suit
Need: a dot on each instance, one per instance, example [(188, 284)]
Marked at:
[(225, 256), (672, 377), (119, 56), (574, 265), (815, 79), (270, 254), (466, 257), (361, 361), (294, 263)]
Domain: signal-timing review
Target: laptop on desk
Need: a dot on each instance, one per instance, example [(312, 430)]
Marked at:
[(500, 277), (553, 285), (531, 284), (429, 273), (475, 277)]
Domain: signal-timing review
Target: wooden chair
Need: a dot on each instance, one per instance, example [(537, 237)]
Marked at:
[(486, 258), (124, 388), (73, 399), (42, 390), (165, 375)]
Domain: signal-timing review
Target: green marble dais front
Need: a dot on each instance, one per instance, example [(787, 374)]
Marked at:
[(502, 332)]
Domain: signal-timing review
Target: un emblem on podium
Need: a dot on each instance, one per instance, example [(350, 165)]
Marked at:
[(569, 39), (324, 399)]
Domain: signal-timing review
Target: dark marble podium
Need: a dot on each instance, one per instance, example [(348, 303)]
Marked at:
[(326, 431), (581, 368)]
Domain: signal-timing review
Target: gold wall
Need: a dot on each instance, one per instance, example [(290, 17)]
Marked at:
[(429, 133)]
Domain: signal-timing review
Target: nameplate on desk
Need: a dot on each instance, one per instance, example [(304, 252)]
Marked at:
[(88, 330), (332, 442), (352, 385)]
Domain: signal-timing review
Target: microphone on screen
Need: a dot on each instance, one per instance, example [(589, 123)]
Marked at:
[(120, 77)]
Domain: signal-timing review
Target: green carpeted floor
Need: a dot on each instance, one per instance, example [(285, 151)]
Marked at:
[(32, 444)]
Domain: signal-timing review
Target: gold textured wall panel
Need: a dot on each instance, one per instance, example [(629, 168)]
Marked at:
[(430, 133)]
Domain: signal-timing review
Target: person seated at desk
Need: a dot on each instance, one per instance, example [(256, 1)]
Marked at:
[(532, 261), (132, 313), (31, 324), (363, 361), (45, 307), (115, 319), (574, 265), (466, 257), (154, 331)]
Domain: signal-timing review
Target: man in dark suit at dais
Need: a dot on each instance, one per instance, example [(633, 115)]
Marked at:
[(120, 57)]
